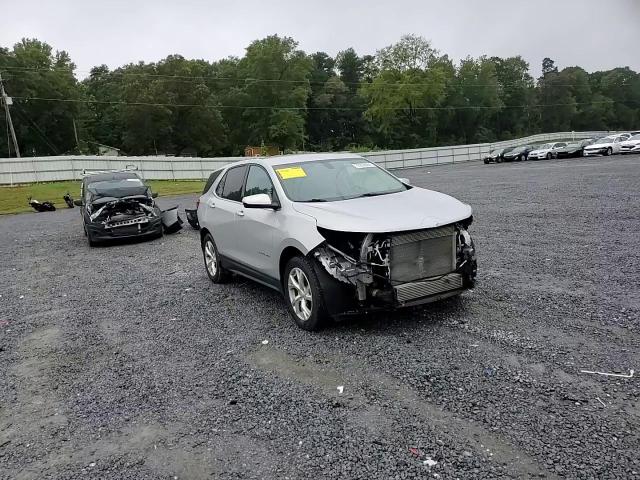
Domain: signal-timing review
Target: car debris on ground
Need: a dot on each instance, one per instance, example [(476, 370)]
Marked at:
[(171, 220), (68, 199), (192, 217), (41, 206), (620, 375)]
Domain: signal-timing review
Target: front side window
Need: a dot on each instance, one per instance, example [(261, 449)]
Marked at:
[(233, 180), (258, 181), (332, 180)]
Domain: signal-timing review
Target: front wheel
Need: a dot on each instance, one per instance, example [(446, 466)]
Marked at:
[(215, 271), (303, 294), (549, 156), (609, 151), (90, 240)]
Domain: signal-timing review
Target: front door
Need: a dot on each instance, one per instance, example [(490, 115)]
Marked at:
[(257, 227)]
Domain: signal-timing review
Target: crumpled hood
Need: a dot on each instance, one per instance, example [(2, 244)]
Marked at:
[(412, 209)]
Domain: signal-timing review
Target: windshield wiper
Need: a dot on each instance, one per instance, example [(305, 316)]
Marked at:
[(315, 200), (372, 194)]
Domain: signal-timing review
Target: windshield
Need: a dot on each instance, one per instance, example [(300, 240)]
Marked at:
[(635, 137), (546, 146), (605, 140), (124, 187), (331, 180)]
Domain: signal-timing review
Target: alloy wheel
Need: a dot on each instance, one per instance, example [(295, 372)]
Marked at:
[(300, 294), (210, 258)]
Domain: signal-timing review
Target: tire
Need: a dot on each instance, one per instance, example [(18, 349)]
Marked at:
[(90, 240), (609, 151), (486, 161), (300, 280), (215, 271), (498, 159), (520, 157), (549, 156)]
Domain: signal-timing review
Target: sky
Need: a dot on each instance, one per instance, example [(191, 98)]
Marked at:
[(593, 34)]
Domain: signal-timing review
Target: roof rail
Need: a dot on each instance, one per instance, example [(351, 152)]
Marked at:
[(128, 168)]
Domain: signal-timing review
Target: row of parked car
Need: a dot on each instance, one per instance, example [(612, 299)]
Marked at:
[(608, 145)]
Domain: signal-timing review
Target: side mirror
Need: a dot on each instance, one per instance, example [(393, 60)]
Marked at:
[(77, 202), (405, 181), (259, 200), (154, 195)]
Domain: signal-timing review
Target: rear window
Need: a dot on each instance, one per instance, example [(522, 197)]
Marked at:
[(211, 180), (233, 181)]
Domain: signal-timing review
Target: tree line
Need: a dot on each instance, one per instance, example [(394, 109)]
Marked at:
[(407, 95)]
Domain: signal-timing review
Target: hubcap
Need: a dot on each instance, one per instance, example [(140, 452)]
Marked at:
[(210, 259), (300, 294)]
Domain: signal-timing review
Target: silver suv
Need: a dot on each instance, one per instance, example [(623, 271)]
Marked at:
[(335, 234)]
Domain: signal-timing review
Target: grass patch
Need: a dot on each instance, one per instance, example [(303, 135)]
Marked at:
[(14, 199)]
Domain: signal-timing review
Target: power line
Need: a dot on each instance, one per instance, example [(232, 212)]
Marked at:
[(193, 78), (260, 107), (24, 115)]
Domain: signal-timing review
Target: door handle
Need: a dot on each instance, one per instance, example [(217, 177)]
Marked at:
[(240, 213), (211, 203)]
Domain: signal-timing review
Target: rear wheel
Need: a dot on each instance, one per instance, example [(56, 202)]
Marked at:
[(486, 161), (215, 271), (304, 295)]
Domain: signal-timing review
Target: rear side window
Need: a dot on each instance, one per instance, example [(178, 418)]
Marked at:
[(211, 180), (233, 180)]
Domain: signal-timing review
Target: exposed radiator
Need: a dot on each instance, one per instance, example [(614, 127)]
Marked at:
[(426, 288), (422, 254)]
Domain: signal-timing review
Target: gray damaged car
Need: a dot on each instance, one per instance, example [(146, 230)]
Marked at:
[(335, 234)]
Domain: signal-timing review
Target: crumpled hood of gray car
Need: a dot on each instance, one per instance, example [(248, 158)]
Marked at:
[(412, 209)]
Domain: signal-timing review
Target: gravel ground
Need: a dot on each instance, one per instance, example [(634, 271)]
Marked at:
[(126, 362)]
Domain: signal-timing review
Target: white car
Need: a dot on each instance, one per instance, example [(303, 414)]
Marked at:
[(631, 146), (545, 151), (606, 146)]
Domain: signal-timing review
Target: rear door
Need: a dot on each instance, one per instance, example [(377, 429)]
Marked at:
[(222, 211)]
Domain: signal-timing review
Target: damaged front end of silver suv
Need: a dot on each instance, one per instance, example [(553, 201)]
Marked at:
[(364, 271)]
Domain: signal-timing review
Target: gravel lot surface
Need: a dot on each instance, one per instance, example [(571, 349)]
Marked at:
[(126, 362)]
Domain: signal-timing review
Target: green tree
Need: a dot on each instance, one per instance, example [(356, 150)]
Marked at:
[(516, 88), (274, 94), (43, 127), (557, 105)]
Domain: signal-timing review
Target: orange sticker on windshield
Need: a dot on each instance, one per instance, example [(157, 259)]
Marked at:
[(291, 172)]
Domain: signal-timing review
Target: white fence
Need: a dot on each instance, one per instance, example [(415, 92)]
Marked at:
[(48, 169)]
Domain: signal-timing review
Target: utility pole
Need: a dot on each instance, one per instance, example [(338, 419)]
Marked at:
[(75, 133), (6, 101)]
